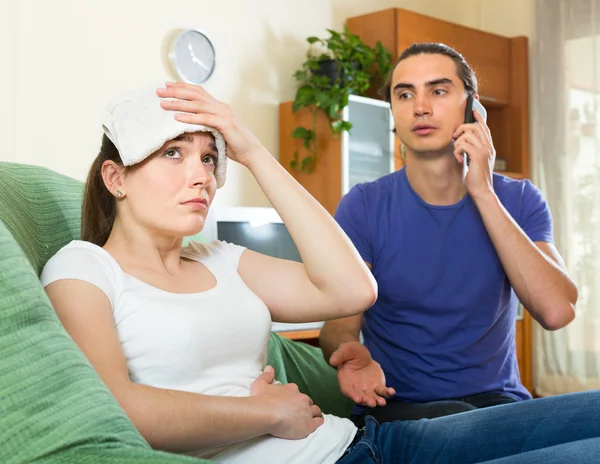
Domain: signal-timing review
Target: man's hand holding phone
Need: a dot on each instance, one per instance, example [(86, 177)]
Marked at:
[(474, 140)]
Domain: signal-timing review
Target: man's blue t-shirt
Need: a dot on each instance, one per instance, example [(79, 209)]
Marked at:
[(443, 325)]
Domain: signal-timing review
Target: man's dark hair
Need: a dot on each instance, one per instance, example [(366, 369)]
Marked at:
[(464, 71)]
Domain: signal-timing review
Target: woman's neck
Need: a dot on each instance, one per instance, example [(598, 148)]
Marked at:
[(134, 246)]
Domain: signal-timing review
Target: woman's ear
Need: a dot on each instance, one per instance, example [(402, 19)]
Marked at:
[(113, 176)]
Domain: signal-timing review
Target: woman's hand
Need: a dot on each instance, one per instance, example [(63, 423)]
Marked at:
[(194, 105), (476, 141), (296, 416)]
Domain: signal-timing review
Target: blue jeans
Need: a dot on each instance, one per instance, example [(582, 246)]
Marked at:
[(559, 429)]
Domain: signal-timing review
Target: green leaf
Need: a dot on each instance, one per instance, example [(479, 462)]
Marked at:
[(312, 40), (344, 99), (301, 75), (323, 100), (334, 34), (310, 136), (305, 96), (334, 111), (294, 162), (307, 164), (300, 133), (346, 125), (340, 125)]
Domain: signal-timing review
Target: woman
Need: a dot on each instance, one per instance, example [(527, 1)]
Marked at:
[(179, 335)]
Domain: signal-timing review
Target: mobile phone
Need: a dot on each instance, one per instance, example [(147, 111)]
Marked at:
[(472, 104)]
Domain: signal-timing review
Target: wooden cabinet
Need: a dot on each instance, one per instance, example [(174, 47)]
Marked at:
[(501, 66), (325, 182)]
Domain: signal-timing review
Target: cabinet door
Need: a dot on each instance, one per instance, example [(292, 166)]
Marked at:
[(324, 183), (368, 149)]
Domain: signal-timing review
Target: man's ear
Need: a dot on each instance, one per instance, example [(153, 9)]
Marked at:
[(113, 176)]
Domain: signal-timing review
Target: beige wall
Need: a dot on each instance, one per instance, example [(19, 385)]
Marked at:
[(504, 17), (7, 80), (63, 60)]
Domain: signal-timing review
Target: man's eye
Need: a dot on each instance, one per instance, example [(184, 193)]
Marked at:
[(440, 91), (404, 96)]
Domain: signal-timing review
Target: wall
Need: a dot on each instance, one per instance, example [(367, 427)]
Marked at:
[(70, 57), (7, 80), (506, 17), (64, 59)]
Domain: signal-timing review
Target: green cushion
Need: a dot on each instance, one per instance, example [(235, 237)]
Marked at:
[(304, 365), (41, 208), (51, 399)]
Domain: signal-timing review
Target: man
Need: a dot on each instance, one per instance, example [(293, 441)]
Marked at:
[(451, 255)]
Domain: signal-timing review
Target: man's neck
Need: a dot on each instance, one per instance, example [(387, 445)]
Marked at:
[(438, 181)]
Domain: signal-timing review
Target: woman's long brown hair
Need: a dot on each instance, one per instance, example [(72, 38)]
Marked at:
[(99, 205)]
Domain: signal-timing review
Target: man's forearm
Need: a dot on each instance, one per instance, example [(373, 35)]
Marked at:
[(540, 282), (339, 331)]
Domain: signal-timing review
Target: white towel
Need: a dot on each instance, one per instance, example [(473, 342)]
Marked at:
[(138, 126)]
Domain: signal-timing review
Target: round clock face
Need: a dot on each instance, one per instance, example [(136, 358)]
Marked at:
[(192, 56)]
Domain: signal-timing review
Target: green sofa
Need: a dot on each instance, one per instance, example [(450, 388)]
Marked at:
[(53, 405)]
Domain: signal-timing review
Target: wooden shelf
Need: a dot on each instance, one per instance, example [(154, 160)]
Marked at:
[(301, 334), (514, 175), (490, 102)]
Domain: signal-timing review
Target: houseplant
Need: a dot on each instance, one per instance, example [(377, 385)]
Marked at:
[(335, 67)]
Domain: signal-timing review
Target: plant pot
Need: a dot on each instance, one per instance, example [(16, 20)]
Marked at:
[(327, 68), (331, 70)]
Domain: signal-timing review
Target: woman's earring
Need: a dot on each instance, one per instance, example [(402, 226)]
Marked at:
[(119, 194), (403, 151)]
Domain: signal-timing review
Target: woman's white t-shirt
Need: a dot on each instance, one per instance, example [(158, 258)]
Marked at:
[(212, 343)]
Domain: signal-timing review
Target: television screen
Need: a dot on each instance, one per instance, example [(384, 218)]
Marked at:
[(271, 239)]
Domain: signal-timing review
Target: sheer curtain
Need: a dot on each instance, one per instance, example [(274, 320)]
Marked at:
[(566, 155)]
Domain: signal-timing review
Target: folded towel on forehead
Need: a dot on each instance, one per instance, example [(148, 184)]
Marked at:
[(138, 126)]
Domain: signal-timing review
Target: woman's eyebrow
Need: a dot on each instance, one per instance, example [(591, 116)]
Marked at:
[(184, 138)]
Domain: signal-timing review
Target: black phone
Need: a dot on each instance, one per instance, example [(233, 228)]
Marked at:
[(472, 104)]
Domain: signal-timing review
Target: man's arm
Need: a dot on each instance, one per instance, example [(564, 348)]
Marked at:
[(535, 269), (360, 377), (339, 331)]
